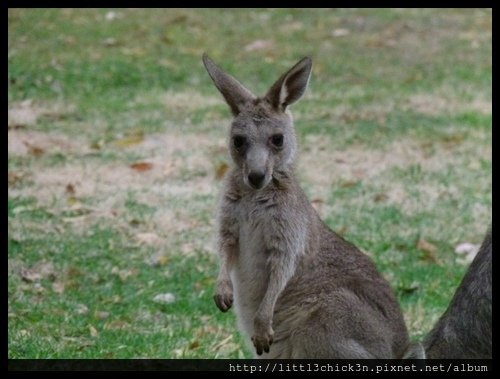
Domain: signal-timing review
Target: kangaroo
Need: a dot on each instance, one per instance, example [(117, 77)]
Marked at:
[(295, 284), (464, 330)]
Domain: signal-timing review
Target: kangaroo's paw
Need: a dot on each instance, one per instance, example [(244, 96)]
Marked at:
[(224, 296)]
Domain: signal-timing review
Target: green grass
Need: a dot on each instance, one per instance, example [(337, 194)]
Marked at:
[(95, 274), (395, 146)]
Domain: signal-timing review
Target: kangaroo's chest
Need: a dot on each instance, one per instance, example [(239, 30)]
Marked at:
[(255, 217), (249, 272), (253, 230)]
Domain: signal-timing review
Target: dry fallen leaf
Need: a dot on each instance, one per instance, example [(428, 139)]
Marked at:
[(428, 251), (58, 287), (349, 183), (93, 331), (15, 126), (123, 274), (34, 150), (39, 271), (70, 189), (179, 19), (380, 197), (129, 140), (157, 259), (148, 239), (228, 349), (206, 328), (141, 166), (222, 343), (452, 139), (221, 170), (15, 177), (97, 145), (426, 246), (429, 256), (318, 204), (29, 275), (116, 325), (72, 201), (38, 288), (193, 345), (342, 230), (101, 315), (81, 309)]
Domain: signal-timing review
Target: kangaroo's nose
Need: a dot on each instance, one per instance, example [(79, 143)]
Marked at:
[(256, 178)]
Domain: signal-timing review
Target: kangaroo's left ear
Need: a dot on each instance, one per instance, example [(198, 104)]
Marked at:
[(291, 85), (234, 92)]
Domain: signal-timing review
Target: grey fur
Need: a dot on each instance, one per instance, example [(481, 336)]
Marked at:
[(464, 330), (295, 284)]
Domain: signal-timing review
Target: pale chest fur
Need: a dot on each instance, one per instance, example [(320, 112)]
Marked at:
[(266, 224), (249, 272)]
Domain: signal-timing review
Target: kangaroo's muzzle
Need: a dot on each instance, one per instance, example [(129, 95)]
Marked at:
[(256, 179)]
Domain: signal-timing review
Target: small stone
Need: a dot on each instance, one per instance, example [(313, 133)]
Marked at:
[(164, 298)]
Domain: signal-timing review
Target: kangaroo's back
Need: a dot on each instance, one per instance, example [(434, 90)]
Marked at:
[(465, 329)]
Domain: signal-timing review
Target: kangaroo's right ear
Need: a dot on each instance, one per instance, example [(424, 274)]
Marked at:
[(291, 85), (234, 92)]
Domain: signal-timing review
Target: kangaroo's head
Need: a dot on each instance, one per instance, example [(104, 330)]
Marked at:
[(262, 138)]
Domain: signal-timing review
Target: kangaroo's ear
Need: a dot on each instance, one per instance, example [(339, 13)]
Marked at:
[(234, 92), (291, 85)]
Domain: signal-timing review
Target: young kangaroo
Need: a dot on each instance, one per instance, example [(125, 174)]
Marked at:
[(464, 330), (296, 285)]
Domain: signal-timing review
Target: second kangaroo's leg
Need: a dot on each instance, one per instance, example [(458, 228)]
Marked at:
[(282, 262)]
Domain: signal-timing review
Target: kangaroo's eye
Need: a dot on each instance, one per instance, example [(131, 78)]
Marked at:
[(277, 140), (239, 141)]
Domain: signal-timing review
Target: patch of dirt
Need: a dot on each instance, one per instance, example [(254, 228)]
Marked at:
[(178, 101), (434, 105), (188, 100), (173, 160), (180, 167), (27, 112), (23, 142), (326, 168)]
